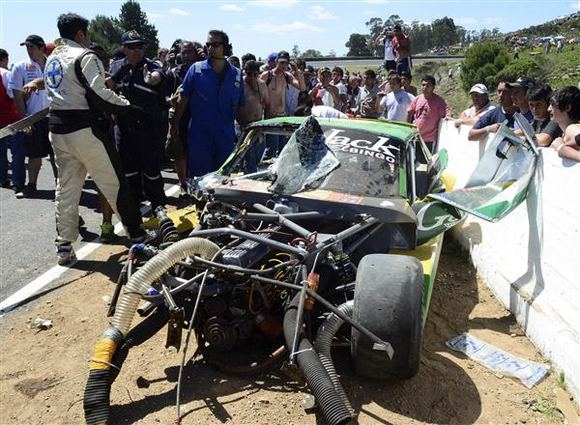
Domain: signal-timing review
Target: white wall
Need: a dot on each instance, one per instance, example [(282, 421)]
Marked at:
[(531, 258)]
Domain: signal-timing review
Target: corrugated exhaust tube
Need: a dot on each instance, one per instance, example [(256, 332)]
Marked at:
[(98, 389), (333, 409), (323, 343)]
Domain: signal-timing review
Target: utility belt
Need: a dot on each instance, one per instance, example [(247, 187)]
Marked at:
[(64, 121)]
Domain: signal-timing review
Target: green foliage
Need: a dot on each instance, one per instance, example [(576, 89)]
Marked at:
[(358, 45), (375, 26), (483, 62), (444, 32), (528, 66), (133, 18), (311, 53), (106, 32), (295, 51)]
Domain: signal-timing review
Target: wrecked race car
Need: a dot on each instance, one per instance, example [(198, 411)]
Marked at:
[(311, 224)]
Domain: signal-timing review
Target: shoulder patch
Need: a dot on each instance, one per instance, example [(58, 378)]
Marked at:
[(54, 73)]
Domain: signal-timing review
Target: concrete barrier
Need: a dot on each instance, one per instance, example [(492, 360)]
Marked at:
[(530, 259)]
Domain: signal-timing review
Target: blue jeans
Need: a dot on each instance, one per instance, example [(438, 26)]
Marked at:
[(15, 143)]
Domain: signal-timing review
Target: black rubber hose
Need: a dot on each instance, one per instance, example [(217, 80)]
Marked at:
[(333, 408), (96, 401)]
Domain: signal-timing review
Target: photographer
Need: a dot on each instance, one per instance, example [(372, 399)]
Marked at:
[(385, 39), (325, 93)]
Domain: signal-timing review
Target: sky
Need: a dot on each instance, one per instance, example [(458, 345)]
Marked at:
[(265, 26)]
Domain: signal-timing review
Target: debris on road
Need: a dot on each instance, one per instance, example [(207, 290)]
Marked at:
[(41, 324), (528, 372)]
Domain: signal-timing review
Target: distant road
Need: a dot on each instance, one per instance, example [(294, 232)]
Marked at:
[(375, 63)]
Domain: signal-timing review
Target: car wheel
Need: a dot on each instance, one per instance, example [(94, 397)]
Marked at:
[(388, 300)]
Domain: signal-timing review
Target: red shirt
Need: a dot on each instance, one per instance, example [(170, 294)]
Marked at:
[(8, 111), (426, 115), (401, 45)]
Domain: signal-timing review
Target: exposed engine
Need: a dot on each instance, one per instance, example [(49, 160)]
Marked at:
[(252, 284)]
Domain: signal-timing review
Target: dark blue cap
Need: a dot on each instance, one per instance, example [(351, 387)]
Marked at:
[(132, 37)]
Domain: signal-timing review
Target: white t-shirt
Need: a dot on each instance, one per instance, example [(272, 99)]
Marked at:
[(322, 111), (470, 112), (23, 73), (341, 88), (396, 105), (389, 53)]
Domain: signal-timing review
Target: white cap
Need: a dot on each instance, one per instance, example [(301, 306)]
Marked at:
[(479, 88)]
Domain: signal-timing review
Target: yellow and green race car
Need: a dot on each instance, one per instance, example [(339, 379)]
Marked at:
[(311, 224)]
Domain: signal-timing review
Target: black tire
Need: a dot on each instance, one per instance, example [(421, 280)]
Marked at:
[(388, 301)]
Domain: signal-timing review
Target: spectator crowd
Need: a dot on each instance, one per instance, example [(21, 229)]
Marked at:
[(191, 103)]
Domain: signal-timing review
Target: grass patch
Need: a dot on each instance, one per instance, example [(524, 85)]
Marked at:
[(561, 70)]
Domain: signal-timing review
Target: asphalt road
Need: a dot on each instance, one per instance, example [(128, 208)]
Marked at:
[(27, 229)]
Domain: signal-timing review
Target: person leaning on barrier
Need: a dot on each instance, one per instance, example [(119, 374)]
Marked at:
[(545, 129), (480, 98), (491, 120), (565, 107), (75, 81)]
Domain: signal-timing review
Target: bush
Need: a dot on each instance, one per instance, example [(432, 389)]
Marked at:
[(482, 63), (527, 66)]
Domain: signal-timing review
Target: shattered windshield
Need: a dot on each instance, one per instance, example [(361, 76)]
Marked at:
[(325, 157)]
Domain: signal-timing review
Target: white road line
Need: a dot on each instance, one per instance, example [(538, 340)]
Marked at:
[(55, 272)]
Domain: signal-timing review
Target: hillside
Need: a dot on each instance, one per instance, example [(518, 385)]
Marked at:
[(568, 26)]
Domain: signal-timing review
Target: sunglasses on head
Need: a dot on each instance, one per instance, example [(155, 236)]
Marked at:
[(134, 46), (213, 44)]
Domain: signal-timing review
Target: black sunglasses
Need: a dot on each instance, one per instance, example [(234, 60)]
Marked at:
[(213, 44), (134, 46)]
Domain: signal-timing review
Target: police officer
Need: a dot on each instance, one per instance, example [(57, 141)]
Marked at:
[(140, 141), (75, 81), (214, 90)]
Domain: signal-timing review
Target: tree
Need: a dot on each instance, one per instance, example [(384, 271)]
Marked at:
[(394, 20), (444, 32), (358, 45), (331, 54), (483, 63), (133, 18), (311, 53), (375, 26), (421, 36), (295, 51), (106, 32)]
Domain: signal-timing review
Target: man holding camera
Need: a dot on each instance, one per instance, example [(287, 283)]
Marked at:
[(213, 89), (385, 39)]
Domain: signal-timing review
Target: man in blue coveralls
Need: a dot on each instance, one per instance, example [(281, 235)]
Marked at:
[(214, 90)]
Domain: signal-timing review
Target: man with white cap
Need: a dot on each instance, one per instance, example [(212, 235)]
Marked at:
[(480, 98)]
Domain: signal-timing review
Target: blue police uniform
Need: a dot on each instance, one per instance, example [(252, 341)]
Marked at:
[(140, 139), (213, 101)]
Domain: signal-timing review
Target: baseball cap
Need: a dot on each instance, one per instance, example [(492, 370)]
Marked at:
[(283, 54), (34, 39), (479, 88), (272, 57), (525, 82), (132, 37)]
